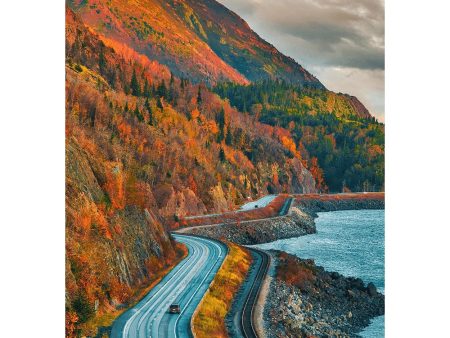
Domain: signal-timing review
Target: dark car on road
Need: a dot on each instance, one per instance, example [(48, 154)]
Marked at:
[(174, 308)]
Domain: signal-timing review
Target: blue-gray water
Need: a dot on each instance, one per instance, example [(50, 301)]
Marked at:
[(349, 242)]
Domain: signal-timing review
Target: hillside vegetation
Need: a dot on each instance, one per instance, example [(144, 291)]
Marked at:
[(338, 139), (156, 132), (144, 147), (198, 39)]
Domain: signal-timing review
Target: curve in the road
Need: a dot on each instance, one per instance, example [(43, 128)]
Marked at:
[(184, 285)]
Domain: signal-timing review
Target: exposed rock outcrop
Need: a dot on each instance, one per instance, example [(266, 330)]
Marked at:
[(111, 247), (180, 203)]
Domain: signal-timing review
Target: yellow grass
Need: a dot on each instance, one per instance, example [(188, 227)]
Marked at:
[(209, 319)]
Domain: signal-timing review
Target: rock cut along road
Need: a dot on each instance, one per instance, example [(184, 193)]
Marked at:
[(185, 285)]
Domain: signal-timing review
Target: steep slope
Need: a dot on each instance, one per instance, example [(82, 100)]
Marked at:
[(156, 29), (236, 43), (148, 143), (201, 40), (143, 148), (113, 245), (192, 124), (341, 143)]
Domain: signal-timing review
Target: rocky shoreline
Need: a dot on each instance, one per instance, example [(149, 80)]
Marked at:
[(306, 301), (299, 220), (312, 204), (303, 299)]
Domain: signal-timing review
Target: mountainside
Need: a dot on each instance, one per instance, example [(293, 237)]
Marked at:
[(341, 143), (236, 43), (144, 148), (201, 40), (177, 108)]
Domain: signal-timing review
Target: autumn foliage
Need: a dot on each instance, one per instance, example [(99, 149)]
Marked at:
[(334, 135), (297, 274), (144, 146)]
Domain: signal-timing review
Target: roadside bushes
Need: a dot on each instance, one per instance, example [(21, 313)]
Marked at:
[(271, 210), (297, 274), (209, 319), (83, 308)]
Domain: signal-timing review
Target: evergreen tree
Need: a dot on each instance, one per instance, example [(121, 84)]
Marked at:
[(83, 307), (199, 96), (160, 104), (138, 114), (102, 62), (171, 95), (126, 107), (222, 155), (162, 89), (147, 89), (221, 123), (149, 111), (182, 85), (134, 85), (92, 113), (228, 138)]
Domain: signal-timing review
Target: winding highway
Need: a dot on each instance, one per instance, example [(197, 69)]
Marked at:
[(184, 285)]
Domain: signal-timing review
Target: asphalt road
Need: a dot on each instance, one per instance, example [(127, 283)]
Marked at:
[(184, 285), (287, 204), (260, 203)]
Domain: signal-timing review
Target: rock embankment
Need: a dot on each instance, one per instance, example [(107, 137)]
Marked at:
[(295, 223), (313, 203), (305, 300)]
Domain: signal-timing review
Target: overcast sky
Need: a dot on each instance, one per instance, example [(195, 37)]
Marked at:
[(339, 41)]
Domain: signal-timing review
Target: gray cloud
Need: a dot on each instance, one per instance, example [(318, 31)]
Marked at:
[(331, 32), (328, 37)]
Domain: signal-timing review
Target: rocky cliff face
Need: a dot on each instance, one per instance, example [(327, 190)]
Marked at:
[(110, 249), (357, 106)]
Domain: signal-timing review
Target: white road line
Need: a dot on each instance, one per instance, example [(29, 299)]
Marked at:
[(201, 284), (131, 319), (147, 319)]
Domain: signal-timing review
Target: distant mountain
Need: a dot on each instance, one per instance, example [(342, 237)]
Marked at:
[(201, 40), (236, 43)]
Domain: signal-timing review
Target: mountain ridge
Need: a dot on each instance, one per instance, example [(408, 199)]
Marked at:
[(200, 39)]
